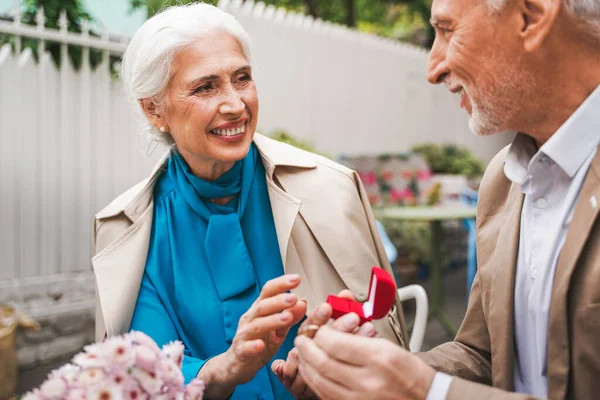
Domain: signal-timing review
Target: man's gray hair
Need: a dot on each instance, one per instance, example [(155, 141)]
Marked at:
[(146, 67), (587, 11)]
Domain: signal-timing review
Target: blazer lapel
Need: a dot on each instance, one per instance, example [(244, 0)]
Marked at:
[(502, 288), (585, 214)]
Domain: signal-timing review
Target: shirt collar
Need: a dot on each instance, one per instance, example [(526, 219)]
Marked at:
[(569, 147), (580, 135)]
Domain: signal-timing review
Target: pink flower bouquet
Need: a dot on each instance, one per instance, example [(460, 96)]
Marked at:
[(123, 367)]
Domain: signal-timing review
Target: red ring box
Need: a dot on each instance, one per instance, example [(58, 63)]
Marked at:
[(382, 292)]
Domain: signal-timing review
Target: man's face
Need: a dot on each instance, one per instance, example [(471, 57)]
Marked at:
[(478, 55)]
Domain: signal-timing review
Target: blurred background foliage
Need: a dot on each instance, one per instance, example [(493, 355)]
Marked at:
[(404, 20)]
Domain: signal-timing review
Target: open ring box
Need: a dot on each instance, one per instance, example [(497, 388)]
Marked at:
[(382, 292)]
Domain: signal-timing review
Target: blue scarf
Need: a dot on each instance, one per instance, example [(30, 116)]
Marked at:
[(207, 260)]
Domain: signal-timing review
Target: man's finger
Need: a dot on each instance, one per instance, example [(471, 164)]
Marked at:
[(347, 323), (368, 330), (344, 347), (324, 388), (347, 294), (317, 317), (329, 368)]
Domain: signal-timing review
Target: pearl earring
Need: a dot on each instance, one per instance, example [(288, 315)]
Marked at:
[(162, 129)]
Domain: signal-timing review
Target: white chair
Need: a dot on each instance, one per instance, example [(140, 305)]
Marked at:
[(418, 333)]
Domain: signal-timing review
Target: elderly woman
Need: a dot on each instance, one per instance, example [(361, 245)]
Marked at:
[(233, 235)]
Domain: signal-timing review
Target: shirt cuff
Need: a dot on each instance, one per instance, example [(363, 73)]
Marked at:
[(439, 387)]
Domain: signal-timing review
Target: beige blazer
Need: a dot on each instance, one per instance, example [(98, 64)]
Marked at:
[(483, 350), (325, 229)]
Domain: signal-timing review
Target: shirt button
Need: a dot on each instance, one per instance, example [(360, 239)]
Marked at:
[(541, 202)]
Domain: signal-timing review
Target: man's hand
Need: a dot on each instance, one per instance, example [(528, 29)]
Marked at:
[(287, 371), (337, 365)]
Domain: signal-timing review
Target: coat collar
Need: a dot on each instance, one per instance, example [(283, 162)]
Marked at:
[(137, 199)]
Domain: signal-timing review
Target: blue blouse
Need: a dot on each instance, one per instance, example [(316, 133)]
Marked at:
[(207, 263)]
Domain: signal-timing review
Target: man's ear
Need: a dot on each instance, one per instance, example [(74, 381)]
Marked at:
[(152, 111), (537, 19)]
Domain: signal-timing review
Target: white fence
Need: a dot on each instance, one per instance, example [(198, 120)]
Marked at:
[(69, 143)]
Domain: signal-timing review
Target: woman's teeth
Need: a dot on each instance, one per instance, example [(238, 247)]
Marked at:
[(229, 132)]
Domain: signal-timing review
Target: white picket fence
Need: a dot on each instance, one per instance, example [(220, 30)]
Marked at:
[(69, 143)]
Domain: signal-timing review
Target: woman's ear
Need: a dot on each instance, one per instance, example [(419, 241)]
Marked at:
[(152, 111), (538, 18)]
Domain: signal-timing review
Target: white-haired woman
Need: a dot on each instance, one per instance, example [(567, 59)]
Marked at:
[(233, 235)]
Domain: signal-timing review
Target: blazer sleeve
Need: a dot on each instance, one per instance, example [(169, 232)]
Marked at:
[(469, 355)]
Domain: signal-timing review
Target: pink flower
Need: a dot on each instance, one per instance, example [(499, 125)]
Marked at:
[(143, 340), (368, 178), (91, 376), (106, 391), (424, 174), (148, 381), (67, 372), (128, 367), (145, 358), (90, 359), (53, 388), (77, 394), (171, 374), (35, 395), (119, 351), (194, 390), (174, 351)]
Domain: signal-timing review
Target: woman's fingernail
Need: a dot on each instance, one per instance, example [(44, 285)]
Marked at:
[(290, 298), (285, 316), (350, 320), (293, 278)]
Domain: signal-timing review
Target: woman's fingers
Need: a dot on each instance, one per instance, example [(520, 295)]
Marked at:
[(263, 326), (247, 350), (275, 304), (279, 285)]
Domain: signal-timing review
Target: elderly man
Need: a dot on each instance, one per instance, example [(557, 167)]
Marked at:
[(532, 328)]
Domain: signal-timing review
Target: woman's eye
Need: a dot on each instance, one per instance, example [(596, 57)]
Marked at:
[(244, 78), (204, 88)]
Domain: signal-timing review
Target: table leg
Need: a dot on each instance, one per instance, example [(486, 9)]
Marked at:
[(436, 309)]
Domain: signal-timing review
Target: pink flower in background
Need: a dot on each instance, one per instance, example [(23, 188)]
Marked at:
[(397, 195), (424, 174), (125, 367), (368, 178), (387, 175), (407, 173)]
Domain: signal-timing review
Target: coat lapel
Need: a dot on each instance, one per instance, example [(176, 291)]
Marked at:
[(585, 214), (502, 288), (119, 269)]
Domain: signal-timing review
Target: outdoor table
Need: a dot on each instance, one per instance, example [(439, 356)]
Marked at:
[(435, 216)]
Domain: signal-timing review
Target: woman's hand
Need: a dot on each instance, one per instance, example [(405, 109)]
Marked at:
[(287, 371), (261, 331)]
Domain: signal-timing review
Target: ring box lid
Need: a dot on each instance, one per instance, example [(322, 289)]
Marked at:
[(382, 292)]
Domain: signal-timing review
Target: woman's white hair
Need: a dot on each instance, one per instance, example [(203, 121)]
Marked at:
[(587, 11), (146, 67)]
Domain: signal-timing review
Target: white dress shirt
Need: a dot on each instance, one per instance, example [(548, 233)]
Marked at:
[(551, 179)]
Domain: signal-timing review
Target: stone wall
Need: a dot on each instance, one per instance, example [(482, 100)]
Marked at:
[(60, 336), (63, 305)]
